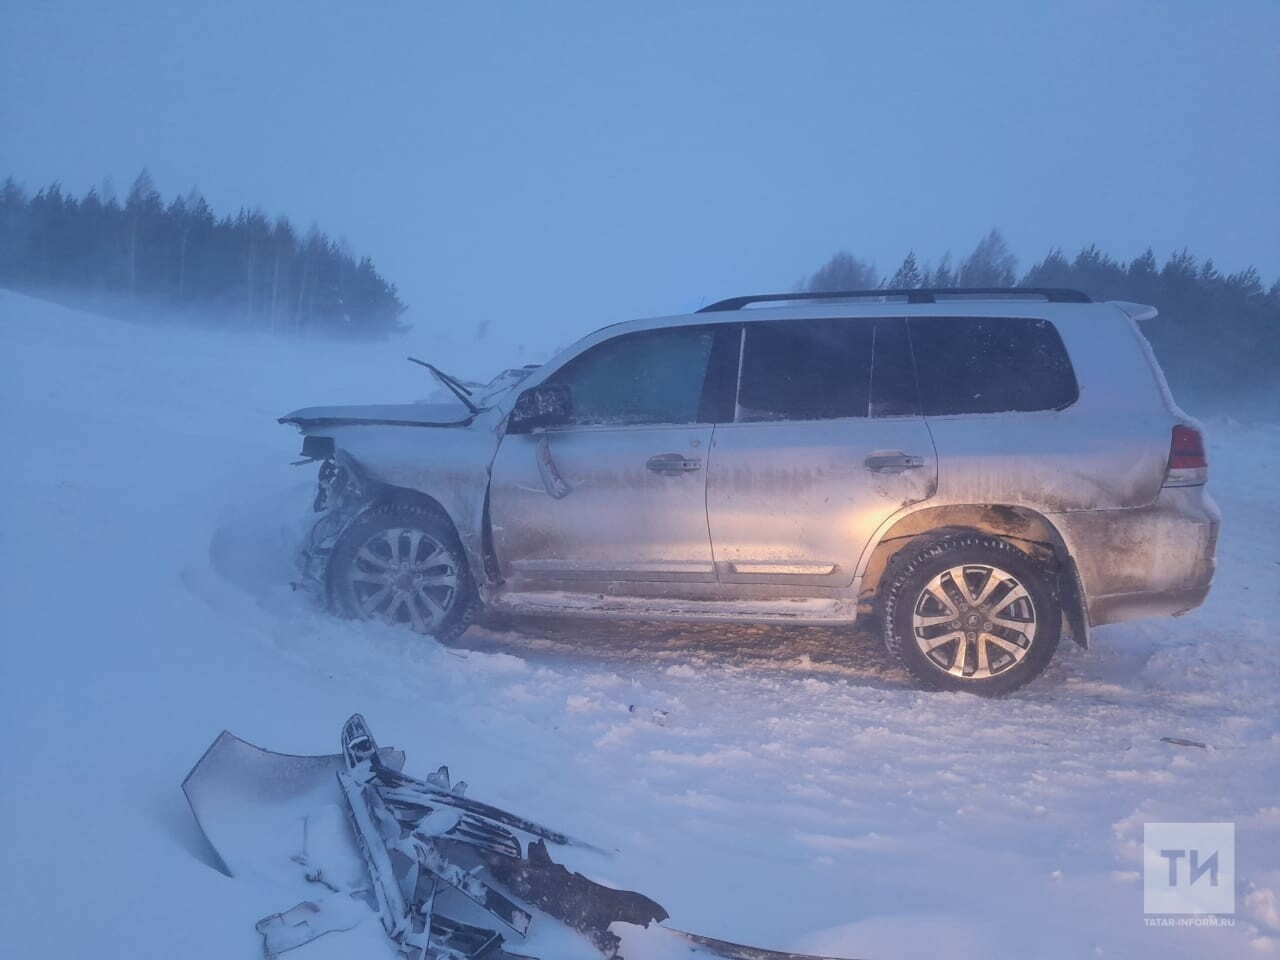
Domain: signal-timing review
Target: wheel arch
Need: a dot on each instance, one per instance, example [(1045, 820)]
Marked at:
[(399, 584), (376, 492), (1030, 531)]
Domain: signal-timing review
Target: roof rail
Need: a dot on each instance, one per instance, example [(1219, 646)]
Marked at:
[(916, 295)]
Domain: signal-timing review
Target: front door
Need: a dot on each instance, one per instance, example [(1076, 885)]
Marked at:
[(826, 444), (619, 493)]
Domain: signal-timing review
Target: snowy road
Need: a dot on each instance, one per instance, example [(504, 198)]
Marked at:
[(785, 787)]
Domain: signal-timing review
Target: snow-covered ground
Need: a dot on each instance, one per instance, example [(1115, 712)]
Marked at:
[(787, 788)]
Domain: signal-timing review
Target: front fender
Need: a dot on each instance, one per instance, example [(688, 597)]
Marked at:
[(447, 467)]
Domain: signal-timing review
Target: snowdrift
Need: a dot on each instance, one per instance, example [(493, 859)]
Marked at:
[(787, 788)]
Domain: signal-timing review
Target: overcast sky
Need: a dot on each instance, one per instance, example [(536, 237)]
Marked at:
[(559, 166)]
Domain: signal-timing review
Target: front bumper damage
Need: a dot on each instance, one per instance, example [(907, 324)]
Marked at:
[(342, 492), (449, 877)]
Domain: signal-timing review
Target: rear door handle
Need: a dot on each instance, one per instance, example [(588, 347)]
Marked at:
[(894, 462), (670, 464)]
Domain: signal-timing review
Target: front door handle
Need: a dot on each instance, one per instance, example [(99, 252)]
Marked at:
[(670, 464), (893, 462)]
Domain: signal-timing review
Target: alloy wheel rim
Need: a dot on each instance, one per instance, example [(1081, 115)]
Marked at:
[(974, 621), (403, 575)]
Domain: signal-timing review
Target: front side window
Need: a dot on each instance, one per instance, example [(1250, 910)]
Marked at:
[(655, 376), (991, 365)]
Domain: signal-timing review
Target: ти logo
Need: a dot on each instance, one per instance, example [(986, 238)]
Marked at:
[(1189, 867), (1197, 871)]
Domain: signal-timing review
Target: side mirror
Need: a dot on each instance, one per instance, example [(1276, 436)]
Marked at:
[(546, 405)]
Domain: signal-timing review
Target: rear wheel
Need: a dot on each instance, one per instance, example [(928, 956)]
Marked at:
[(972, 613), (401, 563)]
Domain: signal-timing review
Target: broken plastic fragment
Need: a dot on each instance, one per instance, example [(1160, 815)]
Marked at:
[(307, 921)]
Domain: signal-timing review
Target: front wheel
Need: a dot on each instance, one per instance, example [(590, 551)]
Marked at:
[(972, 613), (401, 563)]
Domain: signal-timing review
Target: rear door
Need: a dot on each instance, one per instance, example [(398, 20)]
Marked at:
[(619, 493), (827, 442)]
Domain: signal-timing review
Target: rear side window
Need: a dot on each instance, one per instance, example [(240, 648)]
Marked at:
[(805, 370), (893, 375), (990, 365), (826, 369)]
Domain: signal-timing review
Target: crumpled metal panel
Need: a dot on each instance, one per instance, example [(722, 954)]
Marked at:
[(249, 802)]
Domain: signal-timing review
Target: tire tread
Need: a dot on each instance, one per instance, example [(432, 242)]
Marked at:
[(1000, 549)]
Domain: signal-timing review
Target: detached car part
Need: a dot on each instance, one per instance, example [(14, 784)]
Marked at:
[(432, 863)]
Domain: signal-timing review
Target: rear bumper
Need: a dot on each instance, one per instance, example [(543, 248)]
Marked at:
[(1152, 562), (1135, 606)]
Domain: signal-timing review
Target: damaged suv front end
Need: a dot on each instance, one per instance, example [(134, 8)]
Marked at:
[(342, 491), (429, 459)]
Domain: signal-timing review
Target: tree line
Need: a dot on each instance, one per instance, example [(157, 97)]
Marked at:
[(1217, 334), (148, 259)]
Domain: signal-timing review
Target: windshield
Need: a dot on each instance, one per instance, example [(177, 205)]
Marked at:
[(487, 395)]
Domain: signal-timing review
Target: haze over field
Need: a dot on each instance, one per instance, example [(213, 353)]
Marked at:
[(549, 168), (211, 215)]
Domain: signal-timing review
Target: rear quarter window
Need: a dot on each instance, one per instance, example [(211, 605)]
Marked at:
[(991, 365)]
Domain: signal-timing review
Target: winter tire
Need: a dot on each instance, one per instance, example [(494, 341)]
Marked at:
[(401, 563), (972, 613)]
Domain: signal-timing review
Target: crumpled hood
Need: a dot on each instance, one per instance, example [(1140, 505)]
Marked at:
[(385, 414)]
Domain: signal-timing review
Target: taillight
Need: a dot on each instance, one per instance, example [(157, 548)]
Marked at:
[(1188, 465), (1187, 449)]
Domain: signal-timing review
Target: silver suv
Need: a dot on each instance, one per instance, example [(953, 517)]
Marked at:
[(982, 470)]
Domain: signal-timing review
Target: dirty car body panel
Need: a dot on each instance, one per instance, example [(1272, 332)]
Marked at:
[(617, 518)]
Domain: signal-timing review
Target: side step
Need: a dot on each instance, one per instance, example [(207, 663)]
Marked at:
[(790, 610)]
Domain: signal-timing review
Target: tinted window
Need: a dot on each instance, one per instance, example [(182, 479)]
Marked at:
[(826, 369), (990, 365), (893, 375), (805, 370), (650, 377)]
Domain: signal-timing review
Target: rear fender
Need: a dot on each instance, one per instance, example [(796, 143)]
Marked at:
[(1029, 531)]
